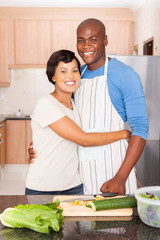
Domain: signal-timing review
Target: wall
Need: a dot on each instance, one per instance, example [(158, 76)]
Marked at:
[(147, 25), (27, 85)]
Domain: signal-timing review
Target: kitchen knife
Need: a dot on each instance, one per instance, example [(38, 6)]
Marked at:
[(91, 197)]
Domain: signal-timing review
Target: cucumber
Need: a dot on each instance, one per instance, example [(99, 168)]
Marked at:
[(114, 203)]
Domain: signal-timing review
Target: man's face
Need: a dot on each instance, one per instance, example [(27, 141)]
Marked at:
[(91, 43)]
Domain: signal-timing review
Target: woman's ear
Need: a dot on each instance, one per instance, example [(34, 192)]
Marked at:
[(53, 79)]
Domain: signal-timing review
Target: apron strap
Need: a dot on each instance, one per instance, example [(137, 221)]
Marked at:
[(84, 70), (105, 67)]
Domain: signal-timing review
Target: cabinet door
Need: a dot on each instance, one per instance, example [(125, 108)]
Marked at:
[(4, 76), (120, 37), (28, 136), (64, 35), (3, 148), (15, 142), (32, 41)]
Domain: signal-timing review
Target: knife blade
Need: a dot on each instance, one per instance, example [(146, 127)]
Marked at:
[(92, 197), (89, 198)]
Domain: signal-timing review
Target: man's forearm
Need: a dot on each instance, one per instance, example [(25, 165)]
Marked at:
[(134, 151)]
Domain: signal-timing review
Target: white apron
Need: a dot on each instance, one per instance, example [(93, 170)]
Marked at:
[(99, 164)]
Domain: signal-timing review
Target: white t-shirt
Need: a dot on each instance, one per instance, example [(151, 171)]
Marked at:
[(56, 165)]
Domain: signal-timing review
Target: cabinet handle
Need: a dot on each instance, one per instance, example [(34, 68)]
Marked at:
[(1, 141), (1, 125)]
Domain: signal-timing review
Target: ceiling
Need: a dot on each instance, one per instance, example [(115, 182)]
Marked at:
[(132, 4)]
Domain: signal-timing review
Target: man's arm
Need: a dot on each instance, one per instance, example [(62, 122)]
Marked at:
[(129, 92), (134, 151)]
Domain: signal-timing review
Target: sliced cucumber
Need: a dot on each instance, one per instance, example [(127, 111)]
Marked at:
[(114, 203)]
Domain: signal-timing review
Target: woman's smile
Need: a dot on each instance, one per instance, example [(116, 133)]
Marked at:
[(70, 83)]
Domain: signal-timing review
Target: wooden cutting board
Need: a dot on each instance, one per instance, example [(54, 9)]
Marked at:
[(69, 209)]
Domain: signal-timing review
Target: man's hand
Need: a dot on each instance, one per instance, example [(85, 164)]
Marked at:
[(115, 184), (31, 153)]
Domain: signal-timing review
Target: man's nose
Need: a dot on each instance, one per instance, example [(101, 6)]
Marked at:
[(86, 44)]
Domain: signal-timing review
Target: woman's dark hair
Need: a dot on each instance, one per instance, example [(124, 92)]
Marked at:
[(65, 56)]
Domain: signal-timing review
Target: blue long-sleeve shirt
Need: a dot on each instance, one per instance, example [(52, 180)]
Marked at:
[(126, 93)]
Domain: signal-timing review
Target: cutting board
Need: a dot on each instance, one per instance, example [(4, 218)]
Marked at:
[(69, 209)]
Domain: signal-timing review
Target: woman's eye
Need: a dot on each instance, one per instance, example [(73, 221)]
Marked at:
[(75, 70), (62, 71)]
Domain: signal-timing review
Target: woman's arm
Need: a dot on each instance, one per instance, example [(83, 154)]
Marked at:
[(68, 129)]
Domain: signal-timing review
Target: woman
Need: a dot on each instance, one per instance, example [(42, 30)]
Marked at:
[(57, 133)]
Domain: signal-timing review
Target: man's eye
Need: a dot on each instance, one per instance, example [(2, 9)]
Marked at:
[(75, 70), (79, 41), (63, 71), (93, 40)]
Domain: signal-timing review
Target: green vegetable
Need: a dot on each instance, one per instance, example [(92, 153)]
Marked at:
[(40, 218), (150, 196), (89, 205), (114, 203)]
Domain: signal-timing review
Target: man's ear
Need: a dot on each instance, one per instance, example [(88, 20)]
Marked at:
[(105, 40)]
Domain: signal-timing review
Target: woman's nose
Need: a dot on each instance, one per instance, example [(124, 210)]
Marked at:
[(70, 75)]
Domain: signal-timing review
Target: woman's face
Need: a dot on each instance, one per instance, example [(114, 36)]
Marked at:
[(67, 77)]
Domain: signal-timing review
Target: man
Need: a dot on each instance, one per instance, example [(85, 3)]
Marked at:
[(110, 93)]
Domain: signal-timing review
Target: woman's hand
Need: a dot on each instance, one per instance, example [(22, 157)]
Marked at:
[(31, 153), (127, 134)]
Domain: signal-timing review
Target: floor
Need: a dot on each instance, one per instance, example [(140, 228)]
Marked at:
[(12, 180)]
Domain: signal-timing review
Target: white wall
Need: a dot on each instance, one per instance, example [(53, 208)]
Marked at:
[(147, 25), (27, 85)]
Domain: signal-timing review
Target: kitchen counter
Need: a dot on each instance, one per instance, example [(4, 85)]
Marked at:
[(13, 117), (75, 228)]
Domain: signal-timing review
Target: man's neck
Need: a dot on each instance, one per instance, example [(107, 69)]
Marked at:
[(93, 67)]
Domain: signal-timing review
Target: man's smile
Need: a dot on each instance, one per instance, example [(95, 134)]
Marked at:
[(88, 53)]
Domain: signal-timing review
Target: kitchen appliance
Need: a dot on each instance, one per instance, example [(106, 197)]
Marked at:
[(148, 68)]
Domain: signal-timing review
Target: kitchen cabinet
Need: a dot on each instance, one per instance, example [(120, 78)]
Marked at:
[(28, 136), (119, 37), (66, 38), (4, 73), (30, 35), (32, 41), (18, 135), (2, 144)]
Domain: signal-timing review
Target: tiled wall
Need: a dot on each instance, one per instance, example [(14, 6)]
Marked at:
[(27, 85)]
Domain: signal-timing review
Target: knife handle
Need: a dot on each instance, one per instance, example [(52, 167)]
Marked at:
[(109, 194)]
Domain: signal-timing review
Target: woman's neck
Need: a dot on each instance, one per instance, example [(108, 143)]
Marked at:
[(65, 99)]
